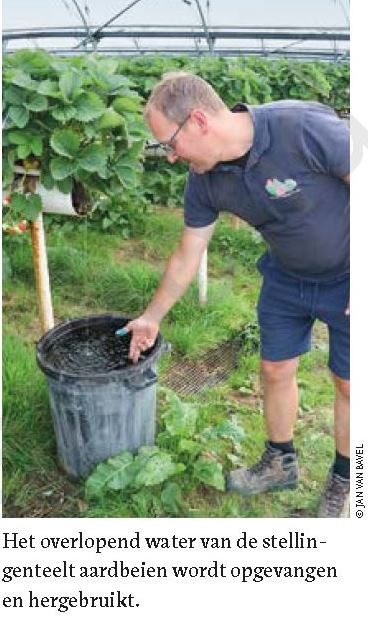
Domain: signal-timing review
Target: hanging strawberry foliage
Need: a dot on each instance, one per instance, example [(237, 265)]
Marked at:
[(76, 121)]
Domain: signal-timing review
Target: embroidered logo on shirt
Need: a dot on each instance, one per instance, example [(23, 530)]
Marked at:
[(276, 188)]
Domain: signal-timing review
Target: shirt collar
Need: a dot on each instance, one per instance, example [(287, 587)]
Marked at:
[(262, 138)]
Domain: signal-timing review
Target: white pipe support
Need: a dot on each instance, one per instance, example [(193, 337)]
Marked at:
[(202, 279)]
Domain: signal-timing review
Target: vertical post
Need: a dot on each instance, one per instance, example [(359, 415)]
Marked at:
[(41, 272), (202, 279)]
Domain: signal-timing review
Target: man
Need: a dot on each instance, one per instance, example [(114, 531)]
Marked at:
[(282, 167)]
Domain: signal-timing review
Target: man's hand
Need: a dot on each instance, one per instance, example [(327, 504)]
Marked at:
[(144, 332), (179, 272)]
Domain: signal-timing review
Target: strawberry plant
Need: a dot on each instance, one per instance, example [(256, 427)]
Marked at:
[(76, 121), (164, 184), (249, 79)]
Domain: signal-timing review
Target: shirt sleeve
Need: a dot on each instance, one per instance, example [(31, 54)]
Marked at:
[(198, 210), (326, 142)]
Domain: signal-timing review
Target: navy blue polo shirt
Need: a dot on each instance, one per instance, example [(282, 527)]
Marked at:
[(290, 188)]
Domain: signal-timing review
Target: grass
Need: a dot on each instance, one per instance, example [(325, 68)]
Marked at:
[(94, 273)]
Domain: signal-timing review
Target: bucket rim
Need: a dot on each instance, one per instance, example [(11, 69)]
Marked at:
[(125, 373)]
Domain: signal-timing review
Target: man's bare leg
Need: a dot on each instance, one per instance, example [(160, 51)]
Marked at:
[(280, 396), (278, 467)]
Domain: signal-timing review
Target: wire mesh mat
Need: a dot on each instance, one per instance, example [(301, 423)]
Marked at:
[(190, 377)]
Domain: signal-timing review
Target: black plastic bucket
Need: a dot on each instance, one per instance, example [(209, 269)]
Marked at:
[(101, 403)]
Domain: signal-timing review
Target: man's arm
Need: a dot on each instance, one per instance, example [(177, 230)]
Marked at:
[(180, 271)]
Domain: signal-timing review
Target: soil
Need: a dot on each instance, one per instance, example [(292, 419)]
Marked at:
[(136, 249), (53, 496)]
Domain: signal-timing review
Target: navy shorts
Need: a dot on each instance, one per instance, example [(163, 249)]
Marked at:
[(287, 309)]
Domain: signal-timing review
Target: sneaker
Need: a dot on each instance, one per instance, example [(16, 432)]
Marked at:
[(275, 470), (335, 499)]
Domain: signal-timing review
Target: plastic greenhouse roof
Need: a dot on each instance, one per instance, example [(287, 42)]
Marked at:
[(177, 14)]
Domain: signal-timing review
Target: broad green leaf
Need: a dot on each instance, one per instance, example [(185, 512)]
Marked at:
[(133, 153), (70, 83), (137, 128), (110, 148), (126, 175), (66, 185), (209, 472), (36, 145), (228, 429), (28, 206), (18, 137), (65, 142), (59, 65), (123, 134), (94, 66), (181, 418), (19, 115), (149, 83), (114, 216), (32, 61), (90, 130), (62, 168), (89, 106), (92, 158), (27, 141), (157, 469), (208, 435), (106, 223), (24, 150), (110, 119), (110, 83), (47, 180), (100, 66), (126, 104), (14, 95), (189, 446), (144, 453), (34, 206), (104, 173), (6, 142), (8, 168), (107, 66), (49, 88), (124, 475), (146, 503), (171, 499), (111, 474), (21, 79), (37, 103), (11, 157), (63, 114), (18, 202)]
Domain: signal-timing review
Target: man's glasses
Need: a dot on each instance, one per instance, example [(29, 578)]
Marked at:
[(169, 146)]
